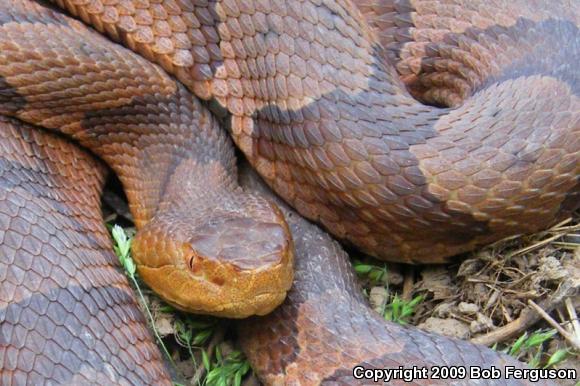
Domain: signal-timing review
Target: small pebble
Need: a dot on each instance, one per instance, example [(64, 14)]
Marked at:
[(378, 298), (482, 323), (468, 308), (444, 309), (448, 327)]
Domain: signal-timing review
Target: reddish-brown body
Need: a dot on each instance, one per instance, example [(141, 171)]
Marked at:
[(328, 104)]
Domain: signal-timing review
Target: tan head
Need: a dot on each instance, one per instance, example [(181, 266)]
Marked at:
[(229, 264)]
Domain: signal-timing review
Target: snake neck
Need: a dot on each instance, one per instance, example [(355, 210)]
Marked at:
[(199, 234), (185, 162)]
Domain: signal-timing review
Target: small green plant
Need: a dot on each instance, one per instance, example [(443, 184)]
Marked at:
[(191, 334), (399, 310), (122, 247), (196, 332), (525, 342), (557, 357), (533, 345), (375, 273), (227, 371)]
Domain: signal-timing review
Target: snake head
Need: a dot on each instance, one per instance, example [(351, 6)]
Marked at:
[(227, 263)]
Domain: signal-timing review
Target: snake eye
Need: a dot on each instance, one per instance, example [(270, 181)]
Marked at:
[(194, 263)]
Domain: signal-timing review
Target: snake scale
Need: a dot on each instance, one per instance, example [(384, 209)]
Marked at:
[(414, 130)]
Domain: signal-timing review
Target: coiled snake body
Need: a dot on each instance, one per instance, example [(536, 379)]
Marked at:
[(333, 103)]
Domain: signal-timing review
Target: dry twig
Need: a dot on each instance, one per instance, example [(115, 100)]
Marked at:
[(569, 337), (408, 283), (528, 316)]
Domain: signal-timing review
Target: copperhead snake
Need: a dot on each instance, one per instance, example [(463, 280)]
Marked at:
[(413, 130)]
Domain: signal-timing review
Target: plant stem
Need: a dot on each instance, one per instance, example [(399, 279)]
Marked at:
[(151, 320)]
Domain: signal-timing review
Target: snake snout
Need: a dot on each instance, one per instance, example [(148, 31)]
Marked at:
[(244, 243), (230, 264)]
